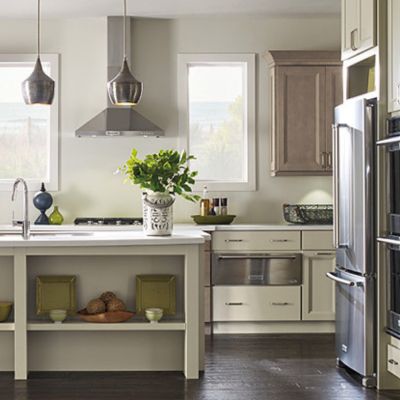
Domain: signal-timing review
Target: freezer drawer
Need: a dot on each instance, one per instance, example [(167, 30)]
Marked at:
[(256, 269), (256, 303), (355, 321)]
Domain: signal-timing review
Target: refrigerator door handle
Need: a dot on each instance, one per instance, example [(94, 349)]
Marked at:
[(393, 244), (333, 276), (336, 194)]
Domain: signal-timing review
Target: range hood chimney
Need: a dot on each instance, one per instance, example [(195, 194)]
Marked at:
[(117, 120)]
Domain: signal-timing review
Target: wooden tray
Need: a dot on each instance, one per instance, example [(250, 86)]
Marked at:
[(109, 317)]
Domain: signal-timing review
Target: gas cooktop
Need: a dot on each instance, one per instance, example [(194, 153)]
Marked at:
[(108, 221)]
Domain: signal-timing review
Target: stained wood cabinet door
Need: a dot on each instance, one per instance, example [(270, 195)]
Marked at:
[(300, 117), (358, 26), (318, 292), (305, 87), (333, 98), (394, 55)]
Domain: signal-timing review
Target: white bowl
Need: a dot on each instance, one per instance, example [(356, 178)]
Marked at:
[(154, 314), (58, 316)]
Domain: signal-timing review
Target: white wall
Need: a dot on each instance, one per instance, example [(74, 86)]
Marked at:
[(87, 183)]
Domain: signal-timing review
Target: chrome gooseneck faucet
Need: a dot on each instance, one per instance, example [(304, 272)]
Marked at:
[(26, 230)]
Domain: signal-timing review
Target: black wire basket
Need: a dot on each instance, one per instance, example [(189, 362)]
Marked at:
[(308, 214)]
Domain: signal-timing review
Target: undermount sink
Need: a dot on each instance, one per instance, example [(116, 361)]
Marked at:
[(63, 234), (54, 235)]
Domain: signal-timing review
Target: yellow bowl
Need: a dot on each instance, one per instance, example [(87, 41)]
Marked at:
[(5, 310)]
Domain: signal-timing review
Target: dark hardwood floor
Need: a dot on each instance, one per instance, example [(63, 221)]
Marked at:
[(278, 367)]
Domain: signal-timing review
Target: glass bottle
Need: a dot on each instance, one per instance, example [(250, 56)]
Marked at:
[(56, 217), (224, 206), (204, 203)]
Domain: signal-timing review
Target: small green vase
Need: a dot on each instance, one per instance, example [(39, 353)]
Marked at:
[(56, 217)]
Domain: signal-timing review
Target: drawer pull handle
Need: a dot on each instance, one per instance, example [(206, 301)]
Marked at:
[(255, 257), (280, 240), (233, 304), (233, 240), (285, 303), (394, 362), (325, 254)]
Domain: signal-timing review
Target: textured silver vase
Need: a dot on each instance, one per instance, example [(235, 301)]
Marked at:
[(157, 213)]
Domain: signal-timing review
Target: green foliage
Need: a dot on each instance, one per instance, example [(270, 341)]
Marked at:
[(166, 171)]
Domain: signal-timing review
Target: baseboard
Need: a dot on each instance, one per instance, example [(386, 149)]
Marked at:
[(273, 327)]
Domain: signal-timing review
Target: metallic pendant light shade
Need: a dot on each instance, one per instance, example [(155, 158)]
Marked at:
[(124, 89), (38, 88)]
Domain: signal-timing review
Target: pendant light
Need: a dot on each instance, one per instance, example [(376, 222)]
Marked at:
[(124, 89), (38, 88)]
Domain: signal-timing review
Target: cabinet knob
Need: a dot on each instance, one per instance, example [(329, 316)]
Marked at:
[(329, 154), (323, 159), (352, 40), (398, 94)]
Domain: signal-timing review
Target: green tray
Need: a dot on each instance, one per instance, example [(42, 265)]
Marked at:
[(156, 291), (54, 292), (213, 219)]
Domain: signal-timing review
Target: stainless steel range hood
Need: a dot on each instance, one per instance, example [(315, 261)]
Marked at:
[(117, 120)]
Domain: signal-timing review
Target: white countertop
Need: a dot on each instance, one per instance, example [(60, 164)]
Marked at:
[(177, 228), (255, 227), (127, 235), (99, 238)]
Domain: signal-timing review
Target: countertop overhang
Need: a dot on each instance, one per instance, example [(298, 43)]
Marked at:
[(40, 238)]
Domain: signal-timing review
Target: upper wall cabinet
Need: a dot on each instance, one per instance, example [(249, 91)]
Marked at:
[(358, 26), (394, 55), (305, 87)]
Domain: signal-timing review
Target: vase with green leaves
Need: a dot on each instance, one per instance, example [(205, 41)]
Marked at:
[(161, 176)]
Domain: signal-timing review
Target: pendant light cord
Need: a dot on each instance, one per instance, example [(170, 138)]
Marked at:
[(38, 30), (124, 29)]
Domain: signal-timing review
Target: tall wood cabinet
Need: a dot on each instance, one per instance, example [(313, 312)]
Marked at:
[(305, 87), (358, 26), (394, 55)]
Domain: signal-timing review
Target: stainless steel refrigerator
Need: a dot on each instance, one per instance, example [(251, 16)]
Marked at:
[(354, 135)]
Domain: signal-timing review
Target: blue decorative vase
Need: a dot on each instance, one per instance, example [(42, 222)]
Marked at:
[(42, 201)]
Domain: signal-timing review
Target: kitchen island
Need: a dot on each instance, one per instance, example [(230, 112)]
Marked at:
[(101, 261)]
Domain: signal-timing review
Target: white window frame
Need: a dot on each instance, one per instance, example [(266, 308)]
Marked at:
[(184, 61), (52, 182)]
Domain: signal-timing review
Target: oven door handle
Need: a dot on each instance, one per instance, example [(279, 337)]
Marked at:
[(255, 257), (334, 277)]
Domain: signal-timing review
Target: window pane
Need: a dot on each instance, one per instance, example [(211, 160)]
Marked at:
[(24, 130), (217, 118)]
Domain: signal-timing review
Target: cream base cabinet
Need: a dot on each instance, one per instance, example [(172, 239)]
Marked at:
[(318, 292), (394, 55), (358, 26)]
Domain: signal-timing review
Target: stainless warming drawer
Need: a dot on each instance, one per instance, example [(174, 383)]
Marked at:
[(256, 269)]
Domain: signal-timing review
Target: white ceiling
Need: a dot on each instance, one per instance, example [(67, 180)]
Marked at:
[(165, 8)]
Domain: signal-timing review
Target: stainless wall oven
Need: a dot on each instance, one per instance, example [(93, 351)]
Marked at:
[(256, 269), (392, 240)]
